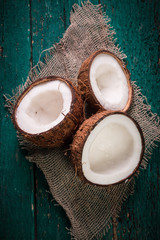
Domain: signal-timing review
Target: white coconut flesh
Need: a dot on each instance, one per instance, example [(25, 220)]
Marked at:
[(112, 150), (44, 106), (109, 82)]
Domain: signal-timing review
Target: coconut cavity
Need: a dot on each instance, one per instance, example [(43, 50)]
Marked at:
[(109, 82), (44, 106), (103, 157), (112, 150)]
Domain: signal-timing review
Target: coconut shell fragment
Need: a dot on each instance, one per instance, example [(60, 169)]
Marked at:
[(48, 112), (107, 148), (104, 81)]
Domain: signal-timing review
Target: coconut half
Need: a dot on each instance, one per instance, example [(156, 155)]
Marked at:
[(108, 148), (105, 82), (48, 111)]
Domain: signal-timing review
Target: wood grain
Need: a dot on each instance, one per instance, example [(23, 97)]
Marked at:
[(16, 173), (47, 29), (27, 27)]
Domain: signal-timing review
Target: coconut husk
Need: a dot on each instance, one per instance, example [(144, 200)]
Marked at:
[(58, 135), (84, 204), (85, 87), (81, 137)]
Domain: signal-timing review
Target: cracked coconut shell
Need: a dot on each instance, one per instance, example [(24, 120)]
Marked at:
[(48, 112), (104, 81), (107, 149)]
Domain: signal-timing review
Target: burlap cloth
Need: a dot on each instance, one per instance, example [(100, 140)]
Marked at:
[(89, 208)]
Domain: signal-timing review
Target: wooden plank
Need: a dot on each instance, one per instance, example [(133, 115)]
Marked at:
[(16, 174), (136, 24), (48, 25)]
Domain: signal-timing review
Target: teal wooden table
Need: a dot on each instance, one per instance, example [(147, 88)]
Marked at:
[(27, 209)]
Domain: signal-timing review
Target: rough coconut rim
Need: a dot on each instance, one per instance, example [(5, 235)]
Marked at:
[(39, 81), (126, 73), (141, 155), (96, 168)]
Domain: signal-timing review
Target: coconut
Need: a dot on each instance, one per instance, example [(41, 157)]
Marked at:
[(107, 148), (48, 111), (104, 81)]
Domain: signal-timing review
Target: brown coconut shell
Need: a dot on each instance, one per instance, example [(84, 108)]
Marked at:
[(85, 87), (81, 137), (57, 135)]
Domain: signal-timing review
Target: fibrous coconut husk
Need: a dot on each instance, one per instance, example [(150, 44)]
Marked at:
[(83, 133), (85, 85), (57, 135)]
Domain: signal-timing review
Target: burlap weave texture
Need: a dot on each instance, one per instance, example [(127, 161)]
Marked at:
[(89, 208)]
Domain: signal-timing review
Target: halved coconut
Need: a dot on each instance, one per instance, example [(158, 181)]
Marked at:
[(48, 111), (108, 148), (105, 82)]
